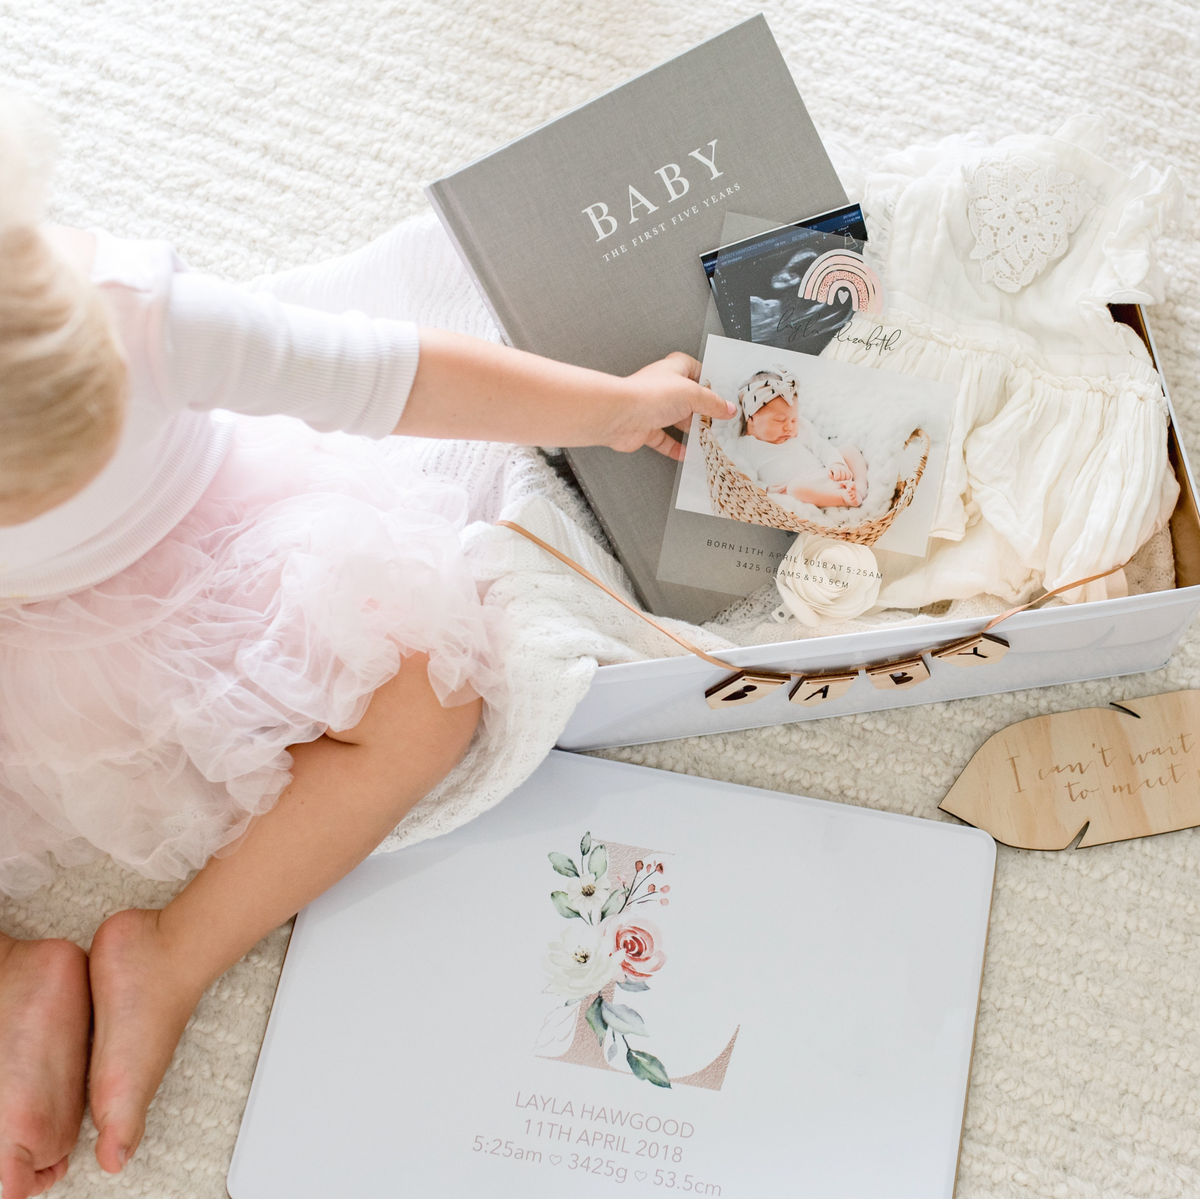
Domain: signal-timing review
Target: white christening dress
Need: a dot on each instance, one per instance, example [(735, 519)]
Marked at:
[(228, 585), (1000, 262)]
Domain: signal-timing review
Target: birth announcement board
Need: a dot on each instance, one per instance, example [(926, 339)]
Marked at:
[(627, 982)]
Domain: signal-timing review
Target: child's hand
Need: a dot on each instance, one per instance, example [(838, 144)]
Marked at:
[(661, 394), (840, 471)]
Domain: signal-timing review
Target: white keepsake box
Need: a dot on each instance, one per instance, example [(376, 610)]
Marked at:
[(658, 700)]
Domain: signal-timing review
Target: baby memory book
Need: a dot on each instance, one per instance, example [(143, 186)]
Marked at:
[(624, 981), (585, 238)]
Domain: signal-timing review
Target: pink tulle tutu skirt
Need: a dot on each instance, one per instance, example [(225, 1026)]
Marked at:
[(148, 717)]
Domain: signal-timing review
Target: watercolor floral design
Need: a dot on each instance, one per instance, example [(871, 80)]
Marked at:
[(608, 941)]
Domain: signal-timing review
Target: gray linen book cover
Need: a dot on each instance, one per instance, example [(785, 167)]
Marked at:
[(585, 235)]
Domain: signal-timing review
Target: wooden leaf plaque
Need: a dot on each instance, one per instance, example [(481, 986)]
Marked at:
[(1127, 771)]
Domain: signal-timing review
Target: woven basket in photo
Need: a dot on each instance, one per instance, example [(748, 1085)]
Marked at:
[(735, 496)]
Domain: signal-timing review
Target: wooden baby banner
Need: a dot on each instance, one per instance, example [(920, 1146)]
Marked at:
[(750, 684), (1129, 770)]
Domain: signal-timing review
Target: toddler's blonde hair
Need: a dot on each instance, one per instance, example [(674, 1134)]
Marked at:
[(62, 377)]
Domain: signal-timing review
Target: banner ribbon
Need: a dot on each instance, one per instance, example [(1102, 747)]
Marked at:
[(770, 670)]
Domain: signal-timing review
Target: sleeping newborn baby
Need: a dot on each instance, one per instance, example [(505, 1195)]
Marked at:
[(788, 455)]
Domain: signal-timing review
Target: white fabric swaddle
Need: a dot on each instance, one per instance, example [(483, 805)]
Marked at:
[(1000, 262), (808, 456)]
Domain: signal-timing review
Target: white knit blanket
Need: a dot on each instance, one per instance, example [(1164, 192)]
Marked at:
[(266, 134)]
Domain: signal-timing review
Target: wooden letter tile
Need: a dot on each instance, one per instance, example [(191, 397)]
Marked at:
[(899, 676), (745, 687), (814, 689), (973, 651)]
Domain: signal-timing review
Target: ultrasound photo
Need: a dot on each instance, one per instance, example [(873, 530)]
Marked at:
[(796, 286)]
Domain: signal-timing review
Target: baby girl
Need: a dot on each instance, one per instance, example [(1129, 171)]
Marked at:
[(233, 652), (788, 455)]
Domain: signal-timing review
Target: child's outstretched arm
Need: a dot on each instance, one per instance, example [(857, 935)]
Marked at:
[(225, 347), (476, 389)]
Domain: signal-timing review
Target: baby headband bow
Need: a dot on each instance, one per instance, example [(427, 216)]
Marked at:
[(763, 387)]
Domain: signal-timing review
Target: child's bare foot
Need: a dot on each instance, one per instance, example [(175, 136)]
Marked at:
[(45, 1014), (142, 999), (858, 464)]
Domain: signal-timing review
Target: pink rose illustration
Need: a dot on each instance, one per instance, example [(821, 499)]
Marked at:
[(635, 949)]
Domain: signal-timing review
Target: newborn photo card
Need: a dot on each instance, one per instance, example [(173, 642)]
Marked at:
[(818, 444), (628, 982)]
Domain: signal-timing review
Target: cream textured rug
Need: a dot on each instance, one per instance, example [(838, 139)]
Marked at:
[(269, 133)]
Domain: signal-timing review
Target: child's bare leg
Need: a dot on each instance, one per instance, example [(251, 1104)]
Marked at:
[(45, 1015), (150, 968)]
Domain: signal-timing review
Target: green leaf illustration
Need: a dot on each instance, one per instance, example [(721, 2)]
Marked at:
[(598, 862), (623, 1020), (564, 909), (633, 984), (647, 1066), (613, 903), (563, 864), (585, 845), (595, 1018)]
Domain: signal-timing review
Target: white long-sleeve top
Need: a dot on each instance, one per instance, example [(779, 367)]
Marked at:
[(194, 345)]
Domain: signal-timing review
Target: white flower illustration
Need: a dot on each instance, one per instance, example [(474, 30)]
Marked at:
[(582, 961), (822, 578), (1021, 216), (587, 894)]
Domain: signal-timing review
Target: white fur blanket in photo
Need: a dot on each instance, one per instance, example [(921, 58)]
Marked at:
[(265, 136), (882, 432)]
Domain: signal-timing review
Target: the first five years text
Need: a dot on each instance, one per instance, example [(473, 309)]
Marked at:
[(673, 179)]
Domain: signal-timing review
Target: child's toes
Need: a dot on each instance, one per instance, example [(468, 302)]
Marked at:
[(54, 1172), (46, 1178), (45, 1012), (118, 1141), (18, 1178), (122, 1087)]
